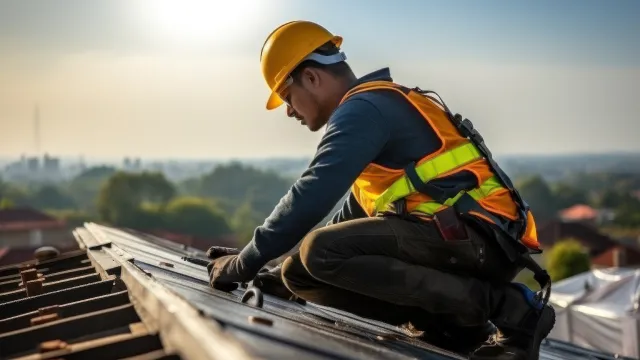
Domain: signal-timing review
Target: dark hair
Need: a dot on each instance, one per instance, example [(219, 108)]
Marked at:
[(340, 69)]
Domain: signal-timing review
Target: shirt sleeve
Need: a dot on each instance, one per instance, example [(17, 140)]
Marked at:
[(356, 134)]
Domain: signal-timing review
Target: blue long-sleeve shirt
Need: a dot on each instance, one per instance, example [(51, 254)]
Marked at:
[(375, 126)]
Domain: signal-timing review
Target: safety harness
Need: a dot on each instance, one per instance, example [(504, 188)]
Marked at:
[(508, 232)]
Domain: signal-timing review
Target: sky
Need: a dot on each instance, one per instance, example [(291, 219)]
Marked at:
[(181, 79)]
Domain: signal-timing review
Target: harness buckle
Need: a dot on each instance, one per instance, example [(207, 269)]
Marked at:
[(466, 129), (400, 206)]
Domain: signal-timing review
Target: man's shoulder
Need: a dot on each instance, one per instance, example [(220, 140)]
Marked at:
[(386, 103), (380, 99), (356, 112)]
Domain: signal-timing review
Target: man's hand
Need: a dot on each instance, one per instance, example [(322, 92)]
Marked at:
[(226, 269), (215, 252)]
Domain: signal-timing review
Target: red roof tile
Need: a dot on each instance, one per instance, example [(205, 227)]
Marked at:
[(23, 214), (24, 218), (579, 212)]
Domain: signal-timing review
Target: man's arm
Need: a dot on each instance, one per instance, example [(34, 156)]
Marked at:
[(355, 135)]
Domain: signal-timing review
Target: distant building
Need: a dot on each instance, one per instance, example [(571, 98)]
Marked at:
[(587, 215), (51, 164), (131, 164), (33, 164), (30, 168), (603, 250), (22, 230)]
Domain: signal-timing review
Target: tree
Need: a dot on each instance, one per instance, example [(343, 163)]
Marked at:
[(194, 216), (244, 222), (51, 197), (6, 203), (610, 198), (567, 258), (566, 196), (536, 192), (17, 196), (628, 212), (85, 188), (235, 184), (128, 199)]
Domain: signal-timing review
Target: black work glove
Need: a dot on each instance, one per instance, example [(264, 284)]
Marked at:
[(215, 252), (226, 269)]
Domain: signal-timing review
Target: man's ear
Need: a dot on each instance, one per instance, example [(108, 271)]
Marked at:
[(311, 77)]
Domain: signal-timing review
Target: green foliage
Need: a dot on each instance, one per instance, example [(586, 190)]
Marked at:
[(195, 216), (567, 258), (85, 187), (628, 212), (239, 198), (566, 195), (235, 184), (244, 222), (126, 199), (51, 197), (6, 203), (610, 198), (537, 193), (16, 195)]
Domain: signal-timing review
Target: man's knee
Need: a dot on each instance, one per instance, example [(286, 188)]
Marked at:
[(295, 276), (317, 254), (289, 273)]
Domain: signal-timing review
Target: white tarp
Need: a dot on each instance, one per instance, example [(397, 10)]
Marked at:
[(599, 310)]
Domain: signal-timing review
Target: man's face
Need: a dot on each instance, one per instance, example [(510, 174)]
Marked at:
[(306, 99)]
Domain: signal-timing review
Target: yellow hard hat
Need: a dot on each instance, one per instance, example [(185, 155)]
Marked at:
[(289, 45)]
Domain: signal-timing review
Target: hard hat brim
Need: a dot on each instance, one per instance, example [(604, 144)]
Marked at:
[(337, 40), (274, 101)]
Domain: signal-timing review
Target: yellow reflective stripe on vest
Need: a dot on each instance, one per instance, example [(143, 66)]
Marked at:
[(485, 190), (427, 171)]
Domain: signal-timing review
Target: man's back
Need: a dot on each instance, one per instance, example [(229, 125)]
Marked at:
[(407, 136), (410, 137)]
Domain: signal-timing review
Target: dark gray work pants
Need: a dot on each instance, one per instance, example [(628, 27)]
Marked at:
[(396, 270)]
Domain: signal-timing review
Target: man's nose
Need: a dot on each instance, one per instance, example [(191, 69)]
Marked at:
[(290, 111)]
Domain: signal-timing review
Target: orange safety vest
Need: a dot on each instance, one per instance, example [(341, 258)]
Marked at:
[(378, 188)]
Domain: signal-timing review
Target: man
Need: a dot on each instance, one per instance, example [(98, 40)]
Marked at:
[(432, 230)]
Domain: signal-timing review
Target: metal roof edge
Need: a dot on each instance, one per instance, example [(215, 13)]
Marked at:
[(181, 327)]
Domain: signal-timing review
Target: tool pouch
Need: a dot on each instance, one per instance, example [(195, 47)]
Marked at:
[(451, 227)]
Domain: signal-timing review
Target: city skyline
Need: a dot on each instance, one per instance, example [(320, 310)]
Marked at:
[(177, 80)]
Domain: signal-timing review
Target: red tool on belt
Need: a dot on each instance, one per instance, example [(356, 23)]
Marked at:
[(450, 226)]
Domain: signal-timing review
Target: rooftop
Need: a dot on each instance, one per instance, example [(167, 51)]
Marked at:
[(126, 294), (25, 218), (23, 214), (579, 212)]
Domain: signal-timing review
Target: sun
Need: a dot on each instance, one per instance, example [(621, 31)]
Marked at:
[(193, 20)]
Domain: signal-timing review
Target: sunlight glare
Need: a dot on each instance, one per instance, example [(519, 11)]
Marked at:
[(189, 20)]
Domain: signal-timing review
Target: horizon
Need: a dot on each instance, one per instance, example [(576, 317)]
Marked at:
[(177, 79), (110, 160)]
